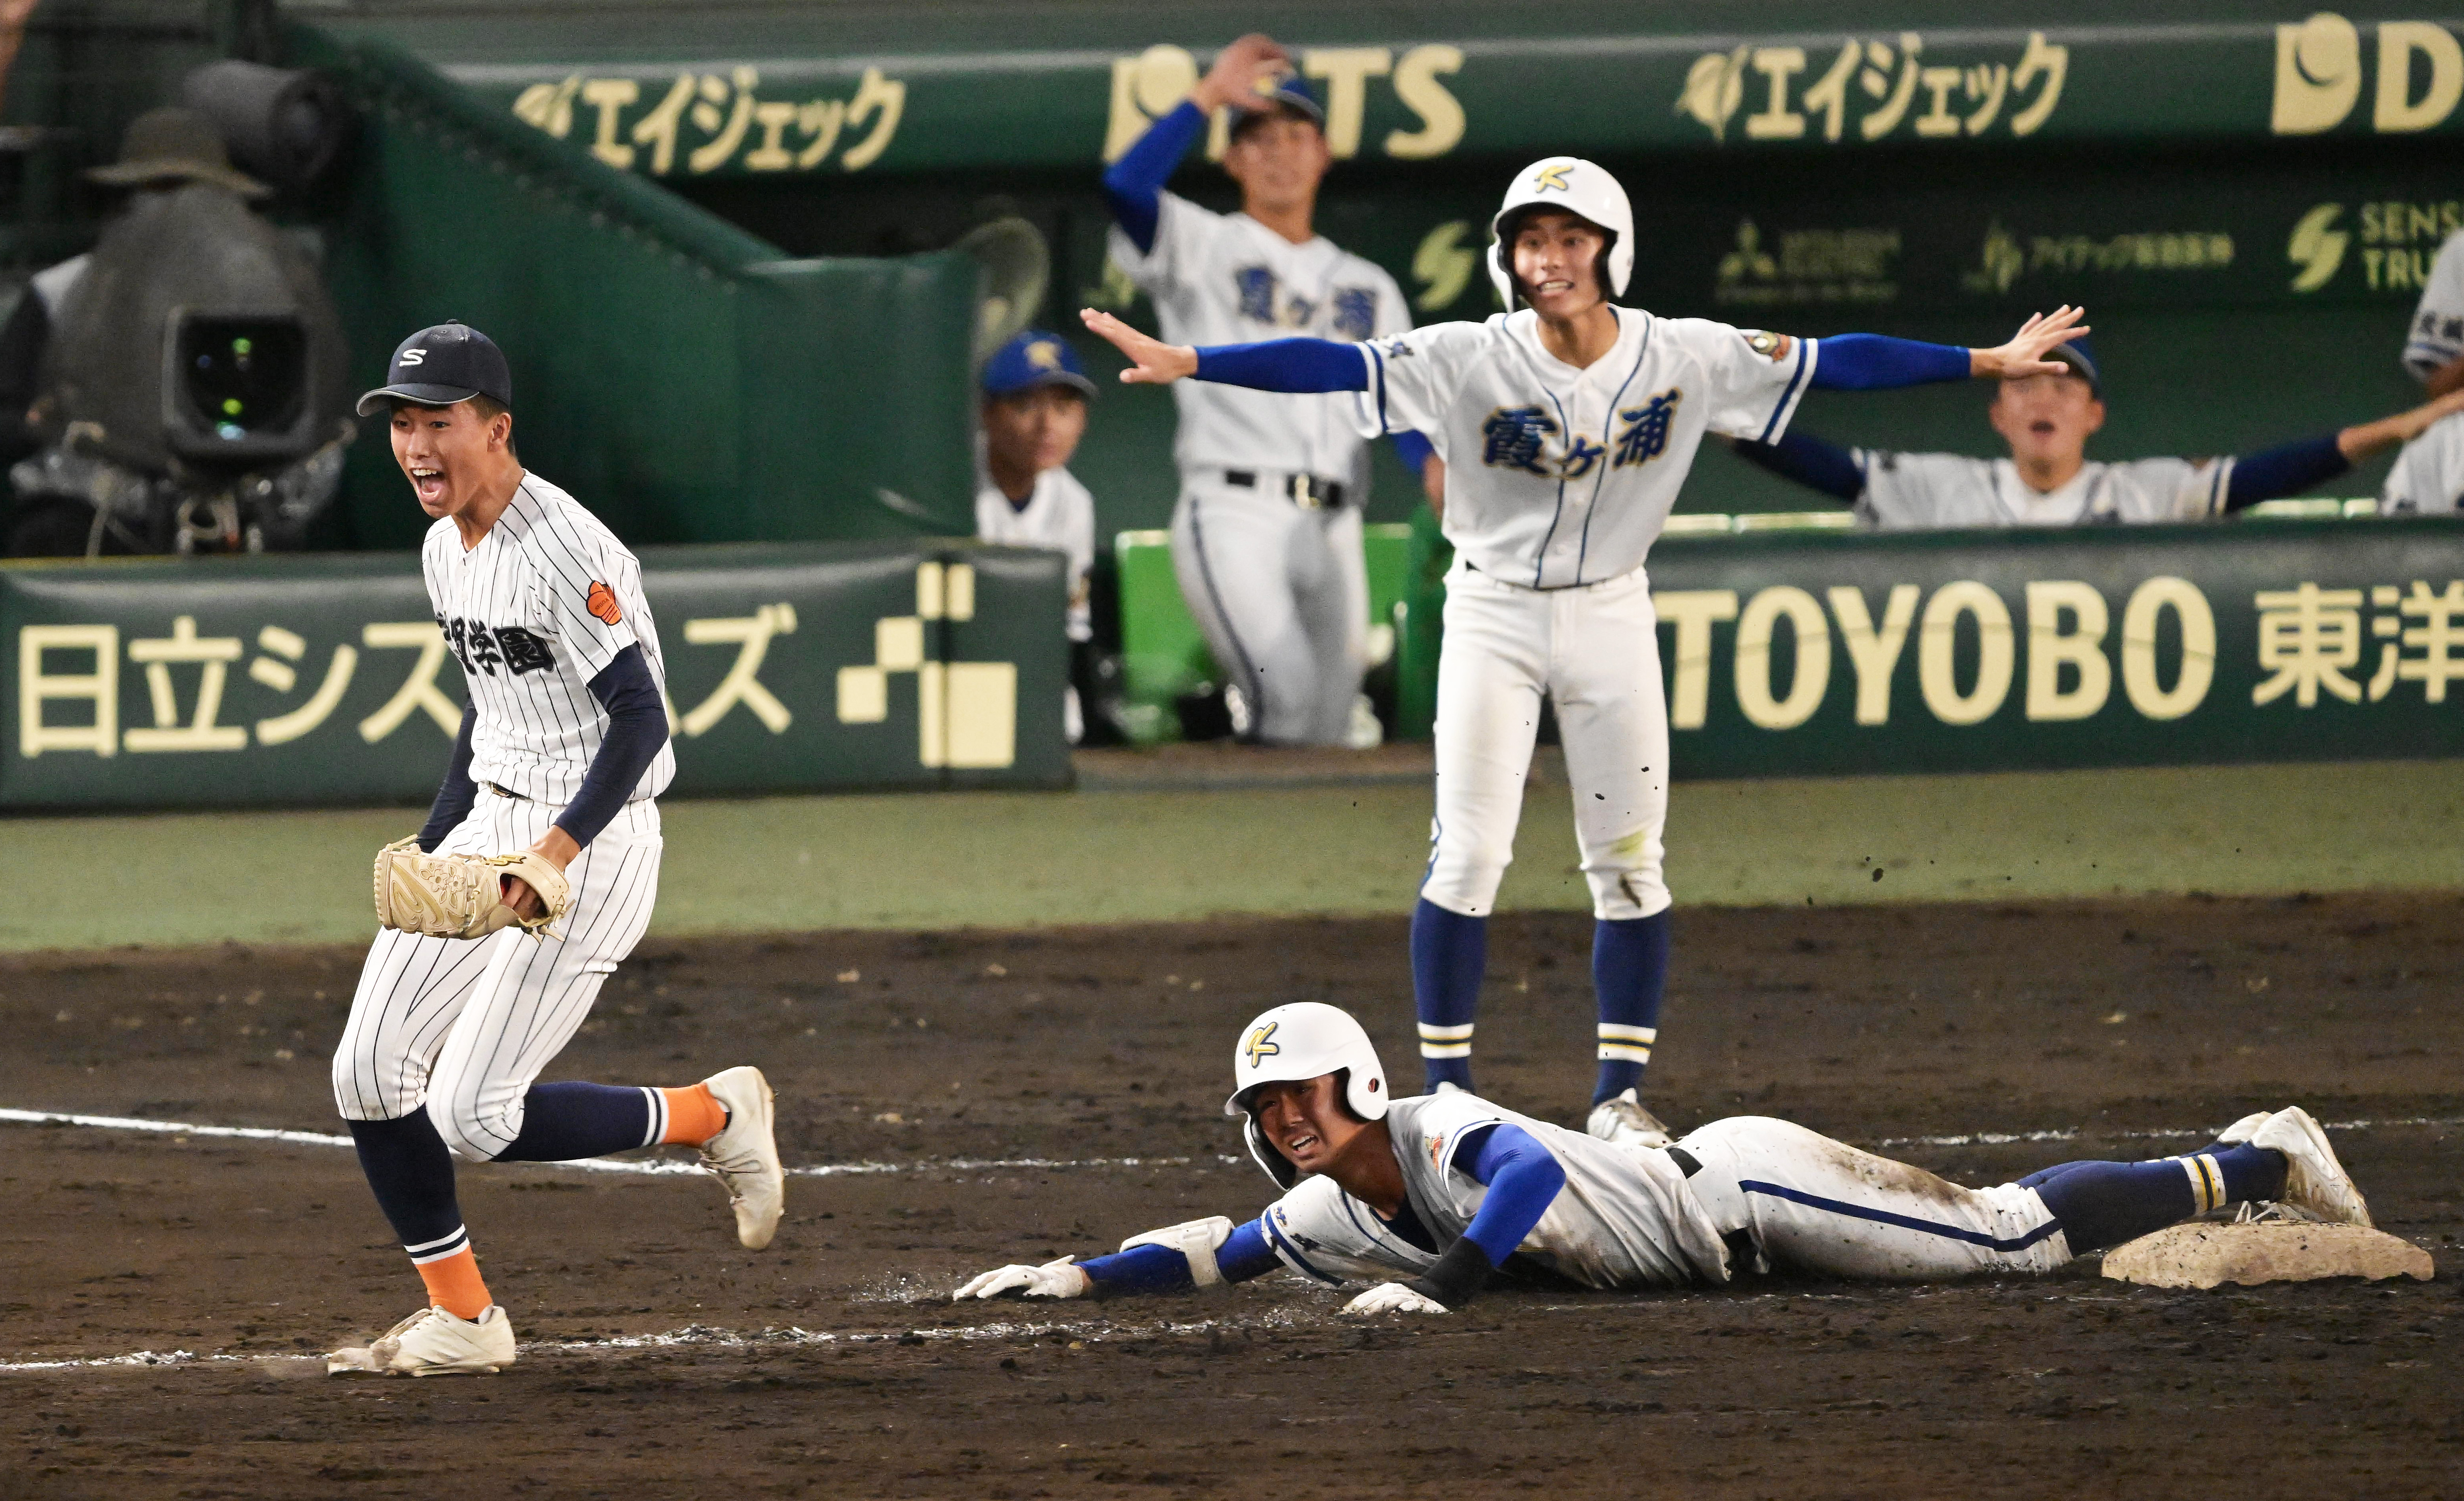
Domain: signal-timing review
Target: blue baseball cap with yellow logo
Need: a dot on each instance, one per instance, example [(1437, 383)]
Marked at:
[(1034, 358)]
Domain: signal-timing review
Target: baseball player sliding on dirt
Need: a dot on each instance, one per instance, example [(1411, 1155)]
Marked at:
[(1445, 1189), (1566, 426), (534, 876)]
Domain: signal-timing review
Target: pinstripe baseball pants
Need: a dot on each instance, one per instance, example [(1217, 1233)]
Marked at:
[(463, 1026)]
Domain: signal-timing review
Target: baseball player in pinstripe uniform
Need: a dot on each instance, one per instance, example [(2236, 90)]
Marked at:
[(1567, 427), (560, 752), (1441, 1191)]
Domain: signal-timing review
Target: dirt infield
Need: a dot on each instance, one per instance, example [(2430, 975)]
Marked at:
[(663, 1360)]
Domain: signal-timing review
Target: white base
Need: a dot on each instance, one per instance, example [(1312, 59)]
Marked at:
[(2207, 1255)]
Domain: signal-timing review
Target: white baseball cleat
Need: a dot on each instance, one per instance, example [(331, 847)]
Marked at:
[(2313, 1178), (2240, 1130), (433, 1342), (1624, 1121), (745, 1154)]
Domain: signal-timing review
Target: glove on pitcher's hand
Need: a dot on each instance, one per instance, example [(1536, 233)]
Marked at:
[(462, 895)]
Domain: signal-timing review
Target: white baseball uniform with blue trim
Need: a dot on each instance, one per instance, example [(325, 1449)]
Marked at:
[(2428, 479), (540, 607), (1558, 480), (1277, 584), (2435, 337), (1638, 1217), (1911, 490)]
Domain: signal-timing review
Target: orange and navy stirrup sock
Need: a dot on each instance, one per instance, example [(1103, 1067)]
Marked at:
[(452, 1278), (694, 1114), (412, 1176)]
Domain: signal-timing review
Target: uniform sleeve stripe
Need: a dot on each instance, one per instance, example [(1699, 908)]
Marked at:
[(1788, 397), (1464, 1133)]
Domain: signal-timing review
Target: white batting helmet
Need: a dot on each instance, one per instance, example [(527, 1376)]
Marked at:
[(1577, 186), (1302, 1041)]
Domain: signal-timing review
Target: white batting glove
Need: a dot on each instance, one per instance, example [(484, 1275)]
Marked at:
[(1054, 1279), (1393, 1297)]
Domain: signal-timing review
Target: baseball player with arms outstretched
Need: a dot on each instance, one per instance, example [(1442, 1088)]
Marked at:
[(1266, 537), (1444, 1190), (547, 812), (1567, 427), (2049, 480)]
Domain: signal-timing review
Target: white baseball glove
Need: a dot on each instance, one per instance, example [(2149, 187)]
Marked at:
[(1393, 1297), (1054, 1279)]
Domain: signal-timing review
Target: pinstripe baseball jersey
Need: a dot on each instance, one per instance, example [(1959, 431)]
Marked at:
[(1557, 476), (1623, 1219), (538, 609), (1937, 490)]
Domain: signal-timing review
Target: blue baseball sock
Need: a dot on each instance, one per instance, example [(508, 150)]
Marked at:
[(2103, 1204), (1629, 970), (1450, 956), (412, 1174), (567, 1122)]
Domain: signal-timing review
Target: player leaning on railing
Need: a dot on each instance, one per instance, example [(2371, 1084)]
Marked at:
[(1566, 426), (2049, 480), (1445, 1189)]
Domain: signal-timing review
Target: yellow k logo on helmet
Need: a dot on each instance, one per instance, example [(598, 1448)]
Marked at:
[(1570, 184), (1261, 1044)]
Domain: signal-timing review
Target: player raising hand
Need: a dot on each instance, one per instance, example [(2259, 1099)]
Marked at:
[(1566, 426)]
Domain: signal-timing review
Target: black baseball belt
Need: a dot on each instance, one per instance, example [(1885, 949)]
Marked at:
[(1307, 491)]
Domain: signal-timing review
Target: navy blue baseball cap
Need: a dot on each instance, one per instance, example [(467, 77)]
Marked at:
[(2081, 356), (1289, 96), (441, 366), (1034, 358)]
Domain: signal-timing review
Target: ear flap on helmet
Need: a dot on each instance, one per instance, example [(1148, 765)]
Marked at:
[(1276, 1165)]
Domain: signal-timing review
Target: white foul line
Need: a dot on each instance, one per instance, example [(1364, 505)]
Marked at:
[(654, 1167), (698, 1336)]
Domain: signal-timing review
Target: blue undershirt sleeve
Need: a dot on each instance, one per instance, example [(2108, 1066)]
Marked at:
[(2285, 470), (457, 792), (1285, 365), (1523, 1181), (1132, 183), (1809, 461), (1160, 1268), (1414, 450), (1878, 362), (637, 726)]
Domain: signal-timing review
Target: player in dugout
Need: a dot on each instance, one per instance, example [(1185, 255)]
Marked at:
[(1034, 397), (2428, 478), (1444, 1190), (1266, 533), (2049, 480)]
